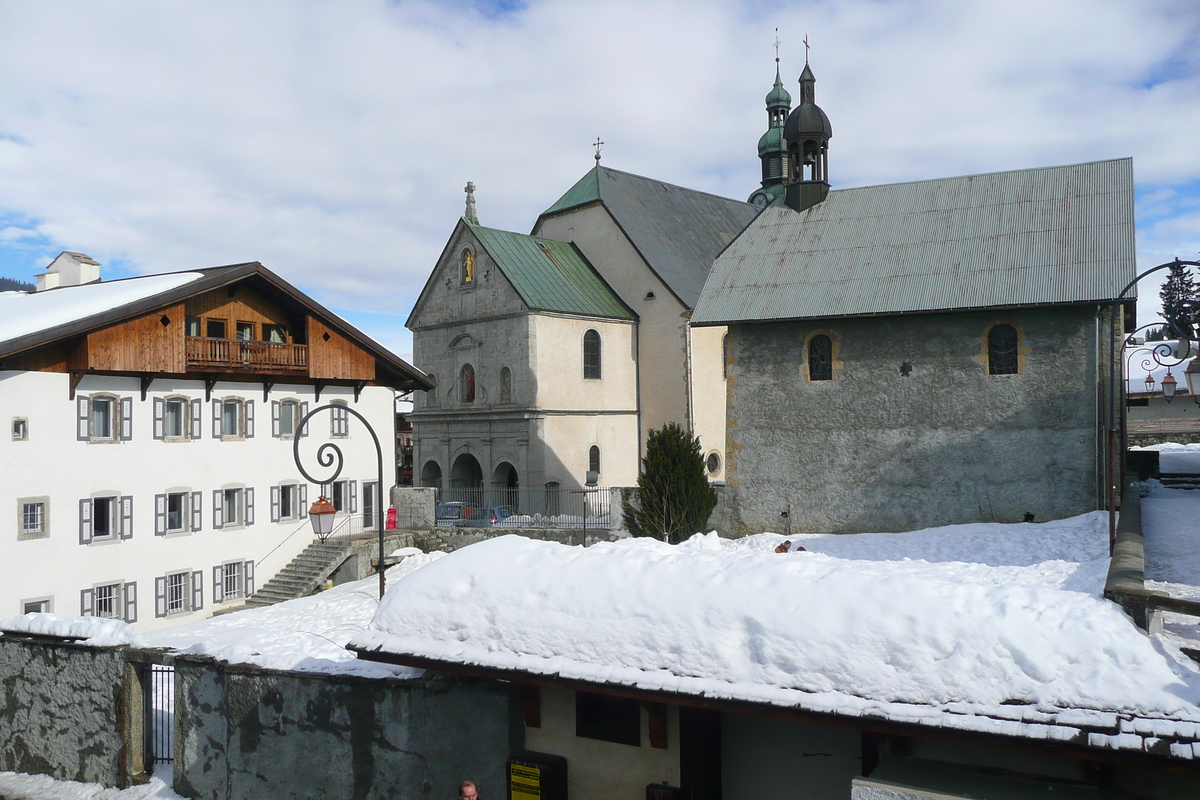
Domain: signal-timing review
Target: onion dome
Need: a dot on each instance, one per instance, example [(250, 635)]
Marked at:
[(807, 120)]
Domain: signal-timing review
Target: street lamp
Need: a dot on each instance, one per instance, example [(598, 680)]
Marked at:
[(1192, 374), (321, 515), (330, 455)]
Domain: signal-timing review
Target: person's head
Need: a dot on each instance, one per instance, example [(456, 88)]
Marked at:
[(466, 791)]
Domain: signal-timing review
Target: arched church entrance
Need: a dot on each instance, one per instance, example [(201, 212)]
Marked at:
[(466, 479), (505, 486), (431, 475)]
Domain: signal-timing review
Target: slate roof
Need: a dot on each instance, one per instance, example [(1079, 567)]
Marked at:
[(678, 231), (550, 275), (1023, 238)]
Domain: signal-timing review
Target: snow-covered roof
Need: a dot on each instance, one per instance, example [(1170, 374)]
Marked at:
[(88, 630), (994, 628)]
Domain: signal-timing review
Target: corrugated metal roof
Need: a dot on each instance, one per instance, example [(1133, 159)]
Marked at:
[(1028, 237), (678, 231), (551, 275)]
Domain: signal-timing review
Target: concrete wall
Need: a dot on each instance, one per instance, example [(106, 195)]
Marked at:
[(876, 450), (415, 506), (61, 711), (248, 733)]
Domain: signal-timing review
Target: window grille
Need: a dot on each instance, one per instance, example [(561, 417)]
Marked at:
[(820, 358), (1002, 350), (594, 459), (591, 355)]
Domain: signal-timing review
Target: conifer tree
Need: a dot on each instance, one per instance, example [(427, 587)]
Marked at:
[(1179, 297), (675, 498)]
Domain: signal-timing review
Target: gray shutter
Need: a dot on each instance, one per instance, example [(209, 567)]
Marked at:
[(197, 422), (275, 504), (275, 431), (127, 517), (249, 506), (160, 597), (248, 572), (197, 511), (126, 418), (303, 414), (218, 509), (218, 584), (160, 515), (216, 404), (353, 497), (131, 602), (158, 417), (249, 419), (303, 501), (83, 407), (85, 602), (85, 521), (197, 590)]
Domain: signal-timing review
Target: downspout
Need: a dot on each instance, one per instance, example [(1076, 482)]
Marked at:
[(687, 370), (637, 353)]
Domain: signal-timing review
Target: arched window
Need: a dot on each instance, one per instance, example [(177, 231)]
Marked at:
[(591, 355), (820, 358), (1002, 350), (505, 385), (467, 273), (594, 459), (466, 384)]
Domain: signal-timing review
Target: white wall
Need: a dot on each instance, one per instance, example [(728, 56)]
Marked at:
[(53, 464), (709, 400)]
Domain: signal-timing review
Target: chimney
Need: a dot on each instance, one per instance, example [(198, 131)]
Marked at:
[(69, 269)]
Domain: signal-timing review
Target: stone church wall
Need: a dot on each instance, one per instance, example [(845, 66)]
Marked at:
[(876, 449)]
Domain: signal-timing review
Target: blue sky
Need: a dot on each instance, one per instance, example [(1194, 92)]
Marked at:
[(332, 141)]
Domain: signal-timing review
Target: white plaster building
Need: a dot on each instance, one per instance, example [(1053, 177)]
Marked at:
[(148, 457)]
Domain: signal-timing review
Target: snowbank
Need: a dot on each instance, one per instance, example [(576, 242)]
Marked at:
[(970, 618), (1176, 457), (40, 787), (91, 630)]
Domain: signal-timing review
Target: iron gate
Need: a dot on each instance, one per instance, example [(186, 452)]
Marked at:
[(160, 712)]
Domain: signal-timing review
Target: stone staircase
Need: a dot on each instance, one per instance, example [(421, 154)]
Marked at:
[(1180, 480), (299, 578)]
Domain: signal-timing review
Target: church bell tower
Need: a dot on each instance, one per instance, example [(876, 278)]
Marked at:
[(807, 133), (772, 149)]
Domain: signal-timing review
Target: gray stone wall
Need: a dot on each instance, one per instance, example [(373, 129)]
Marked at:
[(415, 506), (878, 450), (61, 711), (249, 733)]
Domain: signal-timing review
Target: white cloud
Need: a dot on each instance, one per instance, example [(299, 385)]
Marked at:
[(332, 141)]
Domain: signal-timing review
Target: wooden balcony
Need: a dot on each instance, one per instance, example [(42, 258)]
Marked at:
[(240, 355)]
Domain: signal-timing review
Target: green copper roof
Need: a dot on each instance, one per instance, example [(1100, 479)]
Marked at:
[(550, 275), (778, 96), (586, 190)]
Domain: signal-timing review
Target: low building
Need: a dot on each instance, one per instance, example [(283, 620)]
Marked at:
[(148, 469)]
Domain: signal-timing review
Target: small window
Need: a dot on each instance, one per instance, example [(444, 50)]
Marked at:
[(31, 518), (1002, 350), (108, 601), (505, 385), (20, 429), (467, 273), (289, 501), (339, 495), (275, 334), (231, 419), (245, 331), (594, 459), (591, 355), (214, 328), (179, 592), (713, 463), (288, 417), (820, 358), (368, 505), (40, 606), (233, 507), (609, 719), (102, 417), (104, 517), (191, 326), (339, 423), (232, 582), (177, 511), (725, 357), (175, 422), (466, 383)]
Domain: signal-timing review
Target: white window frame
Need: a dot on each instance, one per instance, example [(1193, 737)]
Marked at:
[(43, 529), (233, 580), (278, 429), (189, 411), (20, 429), (369, 514), (123, 605), (120, 522), (244, 421), (339, 420), (184, 499), (46, 602), (296, 493)]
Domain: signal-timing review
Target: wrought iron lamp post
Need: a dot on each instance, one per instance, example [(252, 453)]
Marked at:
[(330, 455)]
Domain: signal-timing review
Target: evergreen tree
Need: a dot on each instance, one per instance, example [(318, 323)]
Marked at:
[(675, 498), (1179, 297), (1158, 334)]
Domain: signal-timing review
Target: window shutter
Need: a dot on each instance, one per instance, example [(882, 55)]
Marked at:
[(158, 417), (218, 584), (303, 414), (131, 602), (85, 602), (85, 521), (160, 597), (275, 504), (160, 515), (197, 423), (127, 517), (83, 408), (216, 405), (197, 512), (218, 509), (249, 506), (197, 590), (126, 418), (303, 501), (275, 419), (353, 497), (248, 571), (249, 419)]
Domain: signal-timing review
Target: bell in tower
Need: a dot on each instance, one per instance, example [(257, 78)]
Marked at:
[(807, 133), (772, 149)]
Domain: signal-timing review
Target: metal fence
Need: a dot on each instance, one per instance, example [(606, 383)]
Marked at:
[(587, 508), (160, 708)]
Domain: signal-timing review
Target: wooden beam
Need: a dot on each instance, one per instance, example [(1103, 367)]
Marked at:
[(358, 387), (76, 377), (317, 387), (146, 380), (208, 387), (267, 387)]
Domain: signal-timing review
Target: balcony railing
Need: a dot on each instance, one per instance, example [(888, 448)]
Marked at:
[(245, 355)]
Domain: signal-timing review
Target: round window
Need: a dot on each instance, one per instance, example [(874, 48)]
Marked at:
[(713, 463)]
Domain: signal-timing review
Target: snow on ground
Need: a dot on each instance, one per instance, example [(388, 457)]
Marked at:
[(23, 313), (308, 634), (971, 618), (1171, 535), (1175, 457), (92, 630), (18, 786)]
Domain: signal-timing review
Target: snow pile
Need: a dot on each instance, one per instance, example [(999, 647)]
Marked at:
[(41, 787), (24, 313), (1174, 457), (91, 630), (970, 618), (308, 634)]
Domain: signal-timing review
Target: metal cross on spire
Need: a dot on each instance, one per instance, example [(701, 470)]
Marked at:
[(806, 48), (777, 43), (597, 144)]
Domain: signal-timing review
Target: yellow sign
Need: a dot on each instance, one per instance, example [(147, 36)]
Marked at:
[(525, 782)]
